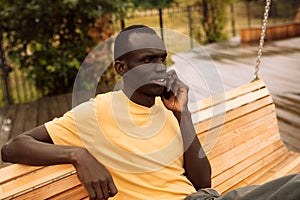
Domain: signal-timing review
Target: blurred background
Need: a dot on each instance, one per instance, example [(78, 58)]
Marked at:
[(43, 43)]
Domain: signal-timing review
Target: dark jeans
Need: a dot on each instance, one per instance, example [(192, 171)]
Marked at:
[(284, 188)]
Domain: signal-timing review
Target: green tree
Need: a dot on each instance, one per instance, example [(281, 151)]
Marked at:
[(50, 39), (214, 19), (149, 4)]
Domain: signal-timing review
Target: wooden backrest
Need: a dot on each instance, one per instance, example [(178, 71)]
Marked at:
[(240, 137), (239, 132)]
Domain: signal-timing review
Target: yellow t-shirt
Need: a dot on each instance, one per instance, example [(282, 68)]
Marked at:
[(141, 147)]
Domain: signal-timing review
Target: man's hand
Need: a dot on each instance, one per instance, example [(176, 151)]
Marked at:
[(93, 175), (175, 97), (197, 167)]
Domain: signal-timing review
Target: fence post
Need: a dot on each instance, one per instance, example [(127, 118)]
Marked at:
[(249, 14), (294, 11), (232, 20), (273, 13), (161, 23), (5, 70), (190, 25), (122, 23)]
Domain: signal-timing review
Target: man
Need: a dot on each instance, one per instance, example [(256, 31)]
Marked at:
[(136, 143)]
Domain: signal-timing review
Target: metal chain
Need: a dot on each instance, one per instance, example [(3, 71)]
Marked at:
[(262, 38)]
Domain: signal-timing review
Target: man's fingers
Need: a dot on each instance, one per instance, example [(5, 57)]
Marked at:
[(171, 72), (98, 190), (91, 192), (171, 80), (101, 191), (174, 83), (176, 86), (112, 189), (105, 190), (170, 84)]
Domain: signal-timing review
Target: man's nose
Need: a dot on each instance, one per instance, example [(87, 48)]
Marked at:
[(160, 67)]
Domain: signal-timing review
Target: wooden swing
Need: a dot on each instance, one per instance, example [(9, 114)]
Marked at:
[(245, 147)]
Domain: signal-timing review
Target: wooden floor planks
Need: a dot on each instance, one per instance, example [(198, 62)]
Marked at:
[(26, 116)]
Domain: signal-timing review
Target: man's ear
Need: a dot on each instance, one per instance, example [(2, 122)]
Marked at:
[(120, 67)]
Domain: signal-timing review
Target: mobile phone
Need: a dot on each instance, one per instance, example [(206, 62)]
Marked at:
[(167, 94)]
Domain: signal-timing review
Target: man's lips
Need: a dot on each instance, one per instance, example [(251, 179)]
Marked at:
[(160, 81)]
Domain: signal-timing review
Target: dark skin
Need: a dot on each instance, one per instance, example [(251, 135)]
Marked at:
[(35, 147)]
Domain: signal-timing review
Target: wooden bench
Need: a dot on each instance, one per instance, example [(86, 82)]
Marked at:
[(249, 149), (239, 132)]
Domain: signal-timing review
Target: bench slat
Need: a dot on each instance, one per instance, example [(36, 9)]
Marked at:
[(283, 171), (262, 174), (241, 180), (270, 170), (53, 188), (233, 93), (229, 105), (17, 169), (240, 153), (233, 114), (230, 127), (35, 179), (266, 155), (77, 192), (295, 170), (229, 140)]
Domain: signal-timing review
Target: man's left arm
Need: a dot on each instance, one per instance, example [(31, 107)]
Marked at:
[(196, 164)]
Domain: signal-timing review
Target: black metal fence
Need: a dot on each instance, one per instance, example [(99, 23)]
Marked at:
[(240, 15), (15, 88)]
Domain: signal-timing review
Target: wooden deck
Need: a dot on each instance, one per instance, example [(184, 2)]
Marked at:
[(16, 119)]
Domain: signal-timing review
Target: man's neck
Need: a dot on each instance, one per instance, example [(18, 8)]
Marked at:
[(140, 98)]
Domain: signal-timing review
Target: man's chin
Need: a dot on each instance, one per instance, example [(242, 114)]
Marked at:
[(157, 90), (152, 89), (160, 91)]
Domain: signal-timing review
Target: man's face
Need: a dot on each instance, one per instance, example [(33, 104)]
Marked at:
[(146, 66)]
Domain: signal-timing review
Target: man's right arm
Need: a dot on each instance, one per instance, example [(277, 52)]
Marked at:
[(36, 147)]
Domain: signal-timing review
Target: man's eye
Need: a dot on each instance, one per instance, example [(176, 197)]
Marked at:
[(163, 59), (148, 59)]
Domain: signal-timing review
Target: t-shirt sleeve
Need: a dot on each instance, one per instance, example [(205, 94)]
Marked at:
[(63, 130)]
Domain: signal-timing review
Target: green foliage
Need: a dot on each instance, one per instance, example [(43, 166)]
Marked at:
[(214, 19), (50, 39), (149, 4)]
